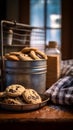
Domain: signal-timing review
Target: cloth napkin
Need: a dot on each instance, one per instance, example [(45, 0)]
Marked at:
[(66, 68), (61, 92)]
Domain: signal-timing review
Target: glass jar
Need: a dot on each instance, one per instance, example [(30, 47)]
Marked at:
[(53, 63), (9, 37)]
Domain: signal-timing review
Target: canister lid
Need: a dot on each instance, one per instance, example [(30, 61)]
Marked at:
[(52, 44)]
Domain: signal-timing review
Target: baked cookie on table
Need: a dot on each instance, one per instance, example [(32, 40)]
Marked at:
[(31, 96), (11, 101), (2, 94), (14, 90)]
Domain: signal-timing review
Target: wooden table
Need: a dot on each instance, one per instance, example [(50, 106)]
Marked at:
[(48, 117)]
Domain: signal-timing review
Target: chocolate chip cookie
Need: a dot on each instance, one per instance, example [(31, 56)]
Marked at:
[(2, 94), (11, 101), (31, 96), (14, 90)]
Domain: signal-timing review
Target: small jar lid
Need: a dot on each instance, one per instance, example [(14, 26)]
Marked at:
[(10, 31), (52, 44)]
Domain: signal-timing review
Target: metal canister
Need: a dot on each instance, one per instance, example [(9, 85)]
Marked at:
[(31, 74)]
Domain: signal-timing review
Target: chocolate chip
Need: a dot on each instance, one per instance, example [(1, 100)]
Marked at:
[(12, 91), (17, 87)]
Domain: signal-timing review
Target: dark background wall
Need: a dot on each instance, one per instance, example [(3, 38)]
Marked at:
[(2, 9)]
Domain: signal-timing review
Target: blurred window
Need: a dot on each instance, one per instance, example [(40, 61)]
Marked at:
[(47, 14)]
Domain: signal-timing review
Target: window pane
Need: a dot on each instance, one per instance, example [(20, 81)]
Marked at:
[(37, 39), (52, 21), (54, 13), (37, 12), (53, 35)]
